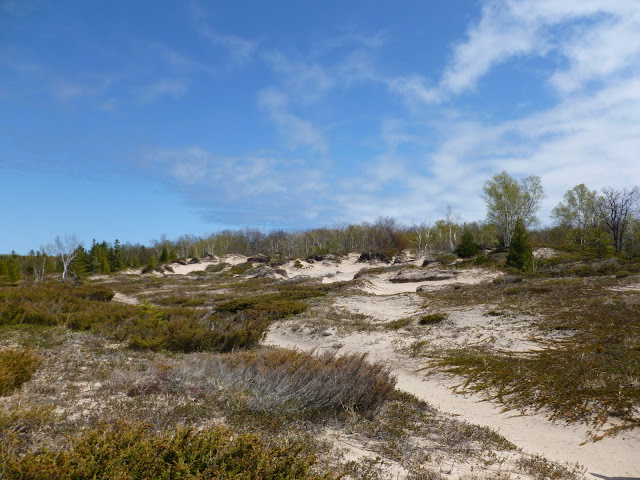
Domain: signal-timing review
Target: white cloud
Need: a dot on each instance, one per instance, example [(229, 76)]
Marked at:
[(306, 82), (241, 49), (89, 86), (414, 91), (596, 40), (298, 133), (166, 87), (254, 189)]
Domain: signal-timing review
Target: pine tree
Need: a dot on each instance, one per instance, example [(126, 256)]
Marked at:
[(520, 254), (468, 247)]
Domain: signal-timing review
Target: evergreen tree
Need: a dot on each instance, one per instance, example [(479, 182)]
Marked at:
[(520, 254), (115, 257), (81, 265), (164, 256), (13, 269), (468, 247), (3, 267)]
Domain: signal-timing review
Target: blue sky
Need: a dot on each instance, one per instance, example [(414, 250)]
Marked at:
[(131, 120)]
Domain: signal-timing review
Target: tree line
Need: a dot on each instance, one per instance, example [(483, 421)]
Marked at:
[(601, 224)]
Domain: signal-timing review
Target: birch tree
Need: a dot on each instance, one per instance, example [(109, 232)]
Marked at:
[(577, 211), (507, 200), (67, 250)]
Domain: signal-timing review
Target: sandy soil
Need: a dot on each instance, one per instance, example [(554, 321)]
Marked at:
[(384, 300), (610, 458)]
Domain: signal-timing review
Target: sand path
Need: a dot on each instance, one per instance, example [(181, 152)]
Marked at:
[(611, 458)]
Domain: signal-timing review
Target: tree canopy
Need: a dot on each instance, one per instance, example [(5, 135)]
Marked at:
[(507, 200)]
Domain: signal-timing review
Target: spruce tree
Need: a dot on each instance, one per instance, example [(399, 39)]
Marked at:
[(115, 257), (468, 247), (520, 254), (164, 256)]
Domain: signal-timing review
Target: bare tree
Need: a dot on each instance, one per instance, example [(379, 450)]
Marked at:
[(40, 263), (615, 208), (451, 219), (67, 250)]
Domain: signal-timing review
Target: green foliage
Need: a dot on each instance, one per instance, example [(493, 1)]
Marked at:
[(277, 305), (136, 452), (468, 247), (507, 200), (385, 256), (520, 254), (13, 270), (58, 304), (164, 255), (598, 243), (432, 318), (241, 268), (577, 213), (16, 367), (586, 375), (399, 323)]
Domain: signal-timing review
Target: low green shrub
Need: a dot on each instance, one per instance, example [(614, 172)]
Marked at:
[(186, 330), (55, 304), (241, 268), (134, 451), (16, 367), (432, 318), (399, 323), (216, 267)]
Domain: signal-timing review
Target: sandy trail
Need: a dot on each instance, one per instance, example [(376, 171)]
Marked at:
[(610, 458)]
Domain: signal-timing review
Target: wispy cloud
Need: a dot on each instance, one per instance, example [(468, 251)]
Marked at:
[(240, 49), (167, 87), (266, 189), (85, 86), (298, 133), (307, 82), (596, 41)]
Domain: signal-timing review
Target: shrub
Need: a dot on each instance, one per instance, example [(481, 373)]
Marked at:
[(285, 303), (468, 247), (16, 368), (55, 304), (136, 452), (216, 267), (399, 323), (432, 318), (481, 260), (385, 256), (241, 268), (520, 254), (301, 380), (187, 330)]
